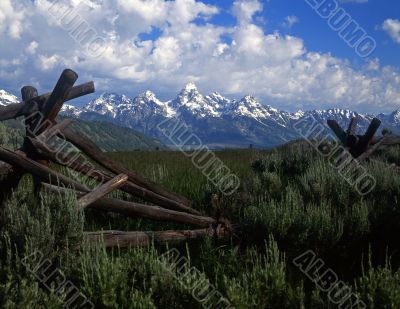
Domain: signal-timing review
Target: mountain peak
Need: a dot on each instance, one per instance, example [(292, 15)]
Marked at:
[(190, 87), (7, 98), (150, 95)]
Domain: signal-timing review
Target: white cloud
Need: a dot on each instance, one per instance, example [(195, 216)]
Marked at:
[(32, 47), (46, 63), (234, 60), (244, 10), (392, 27), (11, 18), (290, 21)]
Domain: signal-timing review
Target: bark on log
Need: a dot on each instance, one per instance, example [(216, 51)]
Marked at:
[(16, 110), (131, 209), (126, 239), (78, 164), (90, 149), (103, 190)]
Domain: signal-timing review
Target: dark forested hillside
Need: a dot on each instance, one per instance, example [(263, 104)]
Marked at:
[(106, 135)]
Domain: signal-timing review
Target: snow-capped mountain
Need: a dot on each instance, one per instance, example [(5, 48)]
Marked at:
[(7, 98), (218, 121)]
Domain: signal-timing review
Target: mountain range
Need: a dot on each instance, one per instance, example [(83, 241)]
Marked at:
[(219, 122)]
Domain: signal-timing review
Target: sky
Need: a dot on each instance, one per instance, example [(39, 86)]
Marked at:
[(286, 53)]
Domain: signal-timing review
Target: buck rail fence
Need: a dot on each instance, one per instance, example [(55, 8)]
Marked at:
[(39, 114)]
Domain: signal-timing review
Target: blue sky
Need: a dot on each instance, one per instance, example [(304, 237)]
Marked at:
[(280, 51)]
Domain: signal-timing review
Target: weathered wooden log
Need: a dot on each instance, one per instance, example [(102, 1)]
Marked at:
[(131, 209), (103, 190), (351, 130), (54, 103), (90, 149), (32, 121), (126, 239), (54, 130), (76, 163), (38, 169), (12, 179), (341, 135), (371, 131), (16, 110)]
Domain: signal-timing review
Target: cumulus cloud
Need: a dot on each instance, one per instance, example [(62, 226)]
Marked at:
[(244, 10), (11, 17), (161, 45), (392, 27), (290, 21)]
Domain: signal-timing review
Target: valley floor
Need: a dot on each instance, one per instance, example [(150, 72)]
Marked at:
[(304, 238)]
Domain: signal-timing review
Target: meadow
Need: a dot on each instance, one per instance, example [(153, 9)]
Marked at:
[(290, 201)]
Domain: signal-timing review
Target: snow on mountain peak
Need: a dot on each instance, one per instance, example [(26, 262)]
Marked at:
[(148, 95), (107, 104), (148, 99), (190, 87), (7, 98)]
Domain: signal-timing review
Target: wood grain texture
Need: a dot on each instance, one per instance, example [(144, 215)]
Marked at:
[(103, 190)]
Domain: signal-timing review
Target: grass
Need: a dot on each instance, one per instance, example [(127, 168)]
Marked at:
[(290, 201)]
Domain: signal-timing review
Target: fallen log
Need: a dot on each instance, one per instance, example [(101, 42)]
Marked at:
[(91, 149), (76, 163), (131, 209), (16, 110), (125, 239), (102, 191), (40, 170)]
